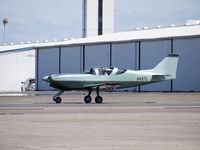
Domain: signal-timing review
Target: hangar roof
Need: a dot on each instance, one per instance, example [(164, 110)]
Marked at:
[(144, 34)]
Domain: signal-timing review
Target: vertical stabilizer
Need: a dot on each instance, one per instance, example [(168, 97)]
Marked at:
[(167, 66)]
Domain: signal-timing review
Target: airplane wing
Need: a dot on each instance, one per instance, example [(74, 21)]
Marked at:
[(93, 85), (102, 85)]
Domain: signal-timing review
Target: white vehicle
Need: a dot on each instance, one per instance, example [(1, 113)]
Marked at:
[(28, 84)]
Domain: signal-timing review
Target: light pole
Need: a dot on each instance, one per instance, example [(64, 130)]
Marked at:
[(5, 21)]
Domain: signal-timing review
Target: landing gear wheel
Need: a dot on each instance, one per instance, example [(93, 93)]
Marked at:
[(57, 100), (87, 99), (98, 99)]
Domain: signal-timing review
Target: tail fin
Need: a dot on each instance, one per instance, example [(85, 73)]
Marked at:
[(167, 66)]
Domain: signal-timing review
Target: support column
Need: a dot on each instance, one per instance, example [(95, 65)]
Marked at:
[(172, 51), (59, 59), (36, 68), (83, 58), (110, 54), (139, 61)]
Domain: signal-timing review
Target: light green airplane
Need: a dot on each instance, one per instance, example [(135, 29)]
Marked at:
[(112, 78)]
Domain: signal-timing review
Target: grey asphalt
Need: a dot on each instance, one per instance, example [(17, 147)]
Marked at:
[(165, 121)]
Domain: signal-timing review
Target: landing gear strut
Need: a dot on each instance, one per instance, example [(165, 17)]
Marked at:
[(56, 97), (88, 98), (98, 99)]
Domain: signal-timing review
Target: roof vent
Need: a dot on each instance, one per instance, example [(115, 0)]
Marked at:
[(45, 41), (65, 39), (186, 24), (28, 42), (192, 22), (36, 41), (158, 26), (54, 40), (137, 28), (145, 28), (172, 25)]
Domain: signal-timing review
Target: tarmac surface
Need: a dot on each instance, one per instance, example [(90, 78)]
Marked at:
[(125, 121)]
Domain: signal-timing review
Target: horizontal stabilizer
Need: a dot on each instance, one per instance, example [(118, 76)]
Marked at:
[(159, 77)]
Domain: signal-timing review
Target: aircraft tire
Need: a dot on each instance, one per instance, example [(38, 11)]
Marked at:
[(58, 100), (98, 99), (87, 99)]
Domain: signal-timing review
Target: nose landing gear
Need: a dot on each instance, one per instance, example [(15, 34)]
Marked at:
[(57, 100), (56, 97)]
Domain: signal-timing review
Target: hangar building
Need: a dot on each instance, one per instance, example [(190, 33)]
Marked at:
[(136, 49)]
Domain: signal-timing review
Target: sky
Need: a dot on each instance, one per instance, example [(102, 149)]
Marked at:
[(31, 20)]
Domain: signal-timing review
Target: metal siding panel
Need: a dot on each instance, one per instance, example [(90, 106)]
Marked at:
[(188, 72), (98, 55), (123, 56), (16, 68), (48, 63), (151, 54), (70, 59)]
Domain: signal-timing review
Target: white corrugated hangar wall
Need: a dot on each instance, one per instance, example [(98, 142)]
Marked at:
[(144, 54), (15, 67)]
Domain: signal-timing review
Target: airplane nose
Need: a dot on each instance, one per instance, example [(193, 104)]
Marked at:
[(46, 78)]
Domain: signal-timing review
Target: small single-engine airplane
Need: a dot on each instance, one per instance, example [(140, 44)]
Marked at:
[(112, 78)]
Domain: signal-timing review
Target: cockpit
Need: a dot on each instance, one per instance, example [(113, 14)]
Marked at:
[(102, 71)]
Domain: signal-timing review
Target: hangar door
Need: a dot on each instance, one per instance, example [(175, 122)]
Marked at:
[(188, 72), (151, 54), (124, 55), (71, 59), (47, 63), (97, 55)]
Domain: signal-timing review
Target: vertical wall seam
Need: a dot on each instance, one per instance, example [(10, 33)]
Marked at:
[(135, 67), (139, 61), (83, 58), (110, 54), (172, 51), (59, 59), (80, 59), (37, 68)]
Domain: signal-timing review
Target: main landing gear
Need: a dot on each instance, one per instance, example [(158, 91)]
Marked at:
[(88, 98)]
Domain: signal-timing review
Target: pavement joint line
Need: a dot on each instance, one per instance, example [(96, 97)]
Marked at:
[(2, 106)]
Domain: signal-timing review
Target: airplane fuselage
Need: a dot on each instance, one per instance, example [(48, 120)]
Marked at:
[(112, 78), (83, 81)]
